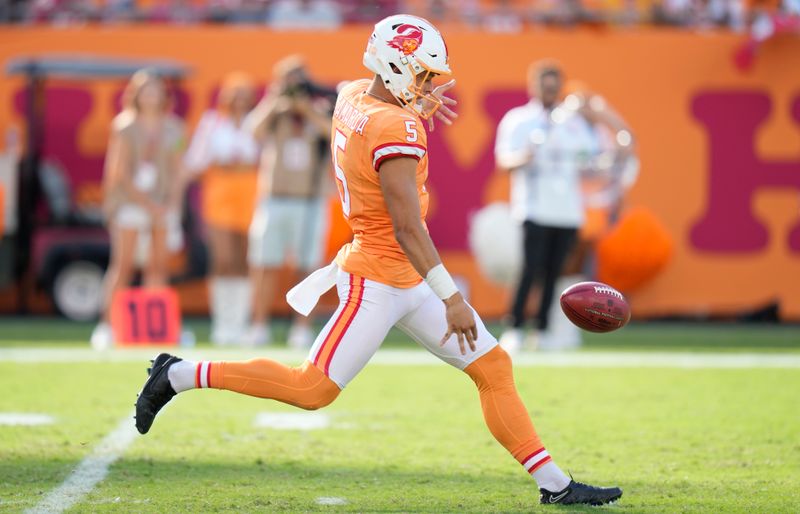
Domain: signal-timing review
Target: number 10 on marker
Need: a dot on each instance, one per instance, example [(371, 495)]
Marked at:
[(146, 316)]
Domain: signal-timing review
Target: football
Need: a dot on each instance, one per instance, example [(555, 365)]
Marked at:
[(595, 307)]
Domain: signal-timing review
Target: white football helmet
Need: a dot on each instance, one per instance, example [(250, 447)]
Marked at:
[(400, 48)]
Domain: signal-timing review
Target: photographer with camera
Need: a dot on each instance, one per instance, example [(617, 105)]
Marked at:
[(293, 124)]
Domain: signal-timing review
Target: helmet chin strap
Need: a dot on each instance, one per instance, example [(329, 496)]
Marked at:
[(379, 97), (383, 94)]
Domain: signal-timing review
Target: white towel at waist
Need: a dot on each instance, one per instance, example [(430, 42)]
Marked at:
[(305, 295)]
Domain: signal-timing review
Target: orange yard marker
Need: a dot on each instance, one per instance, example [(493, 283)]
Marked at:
[(141, 316)]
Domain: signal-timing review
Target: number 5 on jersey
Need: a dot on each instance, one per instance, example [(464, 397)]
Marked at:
[(411, 129), (339, 144)]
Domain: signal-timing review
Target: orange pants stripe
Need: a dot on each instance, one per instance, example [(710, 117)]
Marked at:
[(346, 316)]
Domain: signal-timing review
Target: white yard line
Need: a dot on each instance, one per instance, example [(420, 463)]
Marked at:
[(331, 500), (28, 419), (90, 472), (414, 357), (292, 420)]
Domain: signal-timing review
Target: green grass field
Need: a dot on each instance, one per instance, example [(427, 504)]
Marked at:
[(718, 337), (410, 438)]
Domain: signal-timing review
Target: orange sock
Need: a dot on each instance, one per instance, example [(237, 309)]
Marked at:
[(306, 387), (508, 419)]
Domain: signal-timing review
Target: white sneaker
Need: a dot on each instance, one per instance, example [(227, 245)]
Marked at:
[(258, 335), (300, 337), (551, 342), (102, 337), (221, 337), (511, 340), (533, 340)]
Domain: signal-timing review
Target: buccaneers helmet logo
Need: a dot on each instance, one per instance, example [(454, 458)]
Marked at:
[(407, 40)]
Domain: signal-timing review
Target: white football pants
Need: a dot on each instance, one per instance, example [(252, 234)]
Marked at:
[(366, 312)]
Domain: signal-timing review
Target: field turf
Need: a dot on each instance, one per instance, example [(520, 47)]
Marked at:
[(410, 438)]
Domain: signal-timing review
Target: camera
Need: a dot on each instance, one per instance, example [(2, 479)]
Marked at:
[(302, 88), (311, 89)]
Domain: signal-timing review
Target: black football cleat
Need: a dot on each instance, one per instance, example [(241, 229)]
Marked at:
[(577, 492), (157, 391)]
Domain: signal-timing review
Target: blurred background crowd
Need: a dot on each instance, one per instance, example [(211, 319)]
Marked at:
[(229, 198), (493, 15)]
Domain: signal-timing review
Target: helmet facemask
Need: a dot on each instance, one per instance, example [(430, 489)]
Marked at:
[(417, 100)]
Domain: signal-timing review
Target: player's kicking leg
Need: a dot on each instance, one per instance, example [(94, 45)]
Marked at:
[(489, 366), (366, 312), (305, 386)]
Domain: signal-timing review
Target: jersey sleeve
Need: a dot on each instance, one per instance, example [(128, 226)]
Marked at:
[(399, 137), (512, 147)]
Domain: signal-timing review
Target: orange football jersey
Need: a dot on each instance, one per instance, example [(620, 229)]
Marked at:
[(367, 131)]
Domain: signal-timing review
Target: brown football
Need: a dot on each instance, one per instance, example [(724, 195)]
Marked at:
[(595, 307)]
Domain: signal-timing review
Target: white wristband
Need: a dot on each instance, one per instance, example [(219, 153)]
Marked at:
[(441, 282)]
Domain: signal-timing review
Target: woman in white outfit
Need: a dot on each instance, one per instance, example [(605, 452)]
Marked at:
[(227, 156), (140, 188)]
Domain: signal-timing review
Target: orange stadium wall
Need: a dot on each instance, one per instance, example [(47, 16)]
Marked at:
[(720, 148)]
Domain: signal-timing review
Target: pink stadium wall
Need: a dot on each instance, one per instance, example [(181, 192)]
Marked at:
[(720, 149)]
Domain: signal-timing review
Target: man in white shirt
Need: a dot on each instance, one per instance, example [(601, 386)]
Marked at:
[(544, 146)]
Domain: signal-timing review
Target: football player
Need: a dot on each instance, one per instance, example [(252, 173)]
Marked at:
[(391, 274)]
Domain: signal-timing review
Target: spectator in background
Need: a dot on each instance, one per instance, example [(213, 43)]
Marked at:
[(610, 173), (304, 15), (558, 12), (630, 13), (604, 182), (238, 11), (227, 155), (492, 15), (544, 146), (766, 21), (445, 11), (675, 12), (10, 158), (726, 13), (370, 11), (62, 12), (503, 17), (184, 12), (140, 188), (290, 217), (437, 10), (7, 11), (116, 11)]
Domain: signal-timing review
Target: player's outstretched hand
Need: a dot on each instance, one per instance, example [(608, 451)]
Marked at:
[(445, 114), (461, 322)]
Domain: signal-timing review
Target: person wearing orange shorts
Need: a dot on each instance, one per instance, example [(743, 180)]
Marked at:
[(380, 158), (226, 154)]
